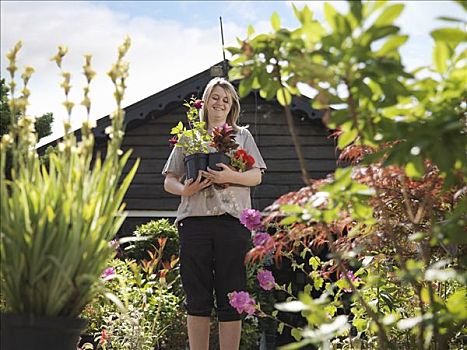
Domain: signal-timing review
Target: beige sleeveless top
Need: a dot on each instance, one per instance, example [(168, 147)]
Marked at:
[(215, 200)]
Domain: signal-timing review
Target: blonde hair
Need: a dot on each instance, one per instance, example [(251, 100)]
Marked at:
[(234, 112)]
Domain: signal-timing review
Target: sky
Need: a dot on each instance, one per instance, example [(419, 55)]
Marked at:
[(171, 41)]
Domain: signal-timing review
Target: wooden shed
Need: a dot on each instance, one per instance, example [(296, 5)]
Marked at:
[(149, 121)]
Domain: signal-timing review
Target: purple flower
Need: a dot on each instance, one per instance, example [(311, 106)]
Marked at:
[(198, 104), (242, 302), (266, 279), (352, 277), (108, 273), (261, 239), (251, 219)]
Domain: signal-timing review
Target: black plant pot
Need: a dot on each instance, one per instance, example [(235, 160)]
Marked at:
[(29, 332), (218, 157), (194, 163)]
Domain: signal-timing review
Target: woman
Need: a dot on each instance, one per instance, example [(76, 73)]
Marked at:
[(213, 242)]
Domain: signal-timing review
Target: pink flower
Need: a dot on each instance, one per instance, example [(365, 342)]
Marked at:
[(198, 104), (261, 239), (225, 128), (242, 302), (251, 219), (266, 279), (104, 337), (108, 273)]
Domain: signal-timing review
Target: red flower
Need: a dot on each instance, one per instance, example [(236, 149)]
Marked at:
[(173, 141), (242, 160), (250, 161), (241, 154), (198, 104)]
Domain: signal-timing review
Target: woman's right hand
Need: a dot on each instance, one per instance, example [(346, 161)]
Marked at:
[(192, 187)]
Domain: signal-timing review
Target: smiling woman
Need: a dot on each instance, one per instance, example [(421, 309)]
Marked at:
[(213, 242)]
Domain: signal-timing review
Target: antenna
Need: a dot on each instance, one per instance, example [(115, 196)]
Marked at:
[(223, 51)]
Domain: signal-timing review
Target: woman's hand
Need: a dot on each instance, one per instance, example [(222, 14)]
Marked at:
[(191, 187), (248, 178), (224, 176)]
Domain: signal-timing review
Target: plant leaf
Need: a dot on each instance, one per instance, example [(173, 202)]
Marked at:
[(284, 97), (450, 35), (388, 15), (275, 21), (440, 56)]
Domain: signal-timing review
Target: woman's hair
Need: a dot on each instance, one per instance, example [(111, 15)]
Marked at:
[(234, 112)]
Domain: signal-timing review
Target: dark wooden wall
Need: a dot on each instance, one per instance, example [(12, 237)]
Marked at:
[(149, 140)]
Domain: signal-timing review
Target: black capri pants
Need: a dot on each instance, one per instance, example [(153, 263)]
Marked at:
[(212, 253)]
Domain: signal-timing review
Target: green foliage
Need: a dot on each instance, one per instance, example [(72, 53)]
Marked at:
[(377, 101), (146, 314), (57, 222), (195, 138), (397, 216), (147, 239)]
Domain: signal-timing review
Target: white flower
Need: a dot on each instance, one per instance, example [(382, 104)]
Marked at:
[(318, 199)]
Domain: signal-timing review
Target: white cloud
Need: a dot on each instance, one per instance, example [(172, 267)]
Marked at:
[(163, 52)]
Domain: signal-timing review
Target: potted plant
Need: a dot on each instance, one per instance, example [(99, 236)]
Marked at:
[(223, 140), (194, 140), (57, 219)]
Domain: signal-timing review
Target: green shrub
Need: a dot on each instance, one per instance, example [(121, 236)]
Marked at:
[(144, 313), (151, 232)]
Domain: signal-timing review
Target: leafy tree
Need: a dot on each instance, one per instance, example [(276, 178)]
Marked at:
[(396, 217), (43, 124)]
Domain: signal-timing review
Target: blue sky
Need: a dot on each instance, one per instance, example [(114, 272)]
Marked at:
[(171, 41)]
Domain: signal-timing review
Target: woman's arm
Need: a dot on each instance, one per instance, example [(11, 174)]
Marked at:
[(173, 185), (249, 178)]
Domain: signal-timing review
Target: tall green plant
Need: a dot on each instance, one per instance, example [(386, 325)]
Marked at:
[(57, 221)]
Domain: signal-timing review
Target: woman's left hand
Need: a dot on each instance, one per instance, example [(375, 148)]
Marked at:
[(224, 176)]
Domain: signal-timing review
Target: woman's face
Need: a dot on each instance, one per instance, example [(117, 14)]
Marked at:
[(218, 105)]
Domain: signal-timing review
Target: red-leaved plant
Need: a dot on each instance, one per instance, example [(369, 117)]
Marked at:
[(223, 139)]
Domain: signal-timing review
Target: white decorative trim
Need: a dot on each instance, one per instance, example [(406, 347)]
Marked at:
[(151, 214)]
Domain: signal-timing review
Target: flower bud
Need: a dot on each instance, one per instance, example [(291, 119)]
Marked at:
[(198, 104)]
